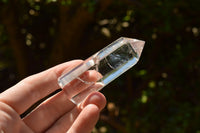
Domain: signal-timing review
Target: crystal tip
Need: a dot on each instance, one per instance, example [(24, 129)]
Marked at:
[(136, 44)]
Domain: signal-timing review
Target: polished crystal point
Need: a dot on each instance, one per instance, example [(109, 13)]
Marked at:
[(101, 68)]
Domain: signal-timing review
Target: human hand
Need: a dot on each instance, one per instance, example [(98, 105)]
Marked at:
[(57, 114)]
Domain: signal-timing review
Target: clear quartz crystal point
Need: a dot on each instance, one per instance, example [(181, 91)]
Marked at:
[(101, 68)]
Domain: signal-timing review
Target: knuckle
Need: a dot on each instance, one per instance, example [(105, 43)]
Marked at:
[(9, 120), (7, 113)]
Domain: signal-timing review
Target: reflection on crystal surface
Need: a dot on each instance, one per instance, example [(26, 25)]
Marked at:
[(104, 66), (117, 62), (120, 56), (116, 59)]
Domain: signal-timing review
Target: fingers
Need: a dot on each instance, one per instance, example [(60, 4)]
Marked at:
[(86, 120), (89, 116), (48, 112), (57, 105), (96, 100), (10, 122), (64, 122), (53, 111), (21, 96), (81, 83)]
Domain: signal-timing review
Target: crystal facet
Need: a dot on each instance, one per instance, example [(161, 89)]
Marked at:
[(101, 68)]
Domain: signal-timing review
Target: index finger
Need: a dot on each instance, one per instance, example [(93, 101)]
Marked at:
[(24, 94)]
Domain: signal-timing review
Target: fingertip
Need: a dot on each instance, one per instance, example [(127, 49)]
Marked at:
[(95, 98), (93, 109)]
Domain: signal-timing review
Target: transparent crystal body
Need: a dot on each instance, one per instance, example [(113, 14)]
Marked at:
[(101, 68)]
